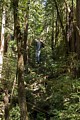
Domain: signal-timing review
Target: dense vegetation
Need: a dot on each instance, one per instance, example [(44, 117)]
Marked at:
[(49, 90)]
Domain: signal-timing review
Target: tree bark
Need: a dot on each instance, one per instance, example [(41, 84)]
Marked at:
[(20, 64), (57, 30), (26, 36), (6, 105), (59, 17), (2, 40), (70, 38), (52, 34), (78, 24)]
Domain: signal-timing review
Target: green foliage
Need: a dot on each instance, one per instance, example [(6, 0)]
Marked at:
[(15, 113), (52, 87), (36, 18), (40, 116), (65, 99)]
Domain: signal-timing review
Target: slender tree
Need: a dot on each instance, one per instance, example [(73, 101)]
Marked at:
[(78, 26), (26, 35), (52, 38), (2, 38), (20, 64)]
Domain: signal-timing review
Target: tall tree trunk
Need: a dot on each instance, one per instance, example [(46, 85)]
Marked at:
[(20, 64), (73, 29), (59, 17), (70, 41), (57, 30), (78, 25), (2, 40), (25, 37), (52, 35), (6, 98)]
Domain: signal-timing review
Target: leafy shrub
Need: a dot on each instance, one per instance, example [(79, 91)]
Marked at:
[(15, 113)]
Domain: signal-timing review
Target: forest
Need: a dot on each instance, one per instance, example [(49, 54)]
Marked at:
[(39, 59)]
